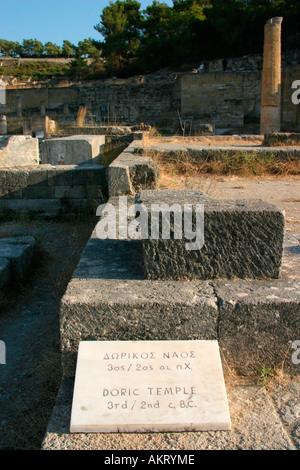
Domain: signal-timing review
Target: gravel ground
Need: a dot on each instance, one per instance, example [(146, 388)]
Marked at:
[(29, 326)]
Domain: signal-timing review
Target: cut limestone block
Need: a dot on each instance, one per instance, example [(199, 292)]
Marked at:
[(72, 150), (241, 239), (110, 299), (259, 320), (281, 138), (5, 271), (18, 150), (18, 252), (129, 173)]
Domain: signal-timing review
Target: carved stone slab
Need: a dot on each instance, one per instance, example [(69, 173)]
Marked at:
[(149, 386)]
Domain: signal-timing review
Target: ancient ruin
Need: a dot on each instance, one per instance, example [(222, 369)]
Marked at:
[(237, 290), (271, 80)]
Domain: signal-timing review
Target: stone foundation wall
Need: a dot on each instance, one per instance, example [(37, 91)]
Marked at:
[(49, 189), (224, 99), (251, 63)]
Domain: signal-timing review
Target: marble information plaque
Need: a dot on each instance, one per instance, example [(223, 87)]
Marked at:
[(149, 386)]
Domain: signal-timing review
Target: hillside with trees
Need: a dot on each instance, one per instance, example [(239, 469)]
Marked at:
[(134, 41)]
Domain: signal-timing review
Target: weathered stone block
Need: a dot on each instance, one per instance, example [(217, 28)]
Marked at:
[(16, 178), (110, 299), (18, 150), (242, 239), (129, 173), (281, 138), (18, 251), (38, 192), (72, 150), (5, 271), (258, 322), (75, 192)]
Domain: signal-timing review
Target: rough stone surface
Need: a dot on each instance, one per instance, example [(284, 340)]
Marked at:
[(281, 138), (130, 172), (258, 321), (256, 425), (18, 151), (286, 399), (5, 271), (242, 239), (48, 188), (271, 79), (109, 298), (17, 251), (72, 150)]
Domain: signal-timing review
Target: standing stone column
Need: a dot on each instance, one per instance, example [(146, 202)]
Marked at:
[(26, 127), (3, 125), (271, 80), (19, 106), (43, 108)]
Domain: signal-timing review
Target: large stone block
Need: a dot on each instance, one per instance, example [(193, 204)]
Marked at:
[(5, 271), (258, 322), (110, 299), (18, 150), (18, 252), (72, 150), (129, 173), (242, 239)]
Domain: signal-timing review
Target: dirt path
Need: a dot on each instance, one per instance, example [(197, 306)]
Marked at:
[(29, 326)]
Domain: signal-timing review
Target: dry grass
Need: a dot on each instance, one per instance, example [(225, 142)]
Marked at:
[(207, 141), (176, 167), (81, 114)]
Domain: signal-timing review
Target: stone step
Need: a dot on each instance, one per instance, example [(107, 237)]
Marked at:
[(109, 298), (15, 258)]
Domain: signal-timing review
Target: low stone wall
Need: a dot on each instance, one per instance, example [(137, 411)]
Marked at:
[(251, 63), (228, 99), (18, 151), (200, 152), (72, 150), (15, 258), (281, 138), (130, 172), (47, 188)]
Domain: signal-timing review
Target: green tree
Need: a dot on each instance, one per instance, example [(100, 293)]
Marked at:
[(172, 36), (86, 48), (7, 47), (52, 50), (68, 49), (32, 48), (158, 34), (120, 26)]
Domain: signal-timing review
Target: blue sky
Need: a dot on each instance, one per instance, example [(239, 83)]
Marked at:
[(53, 20)]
